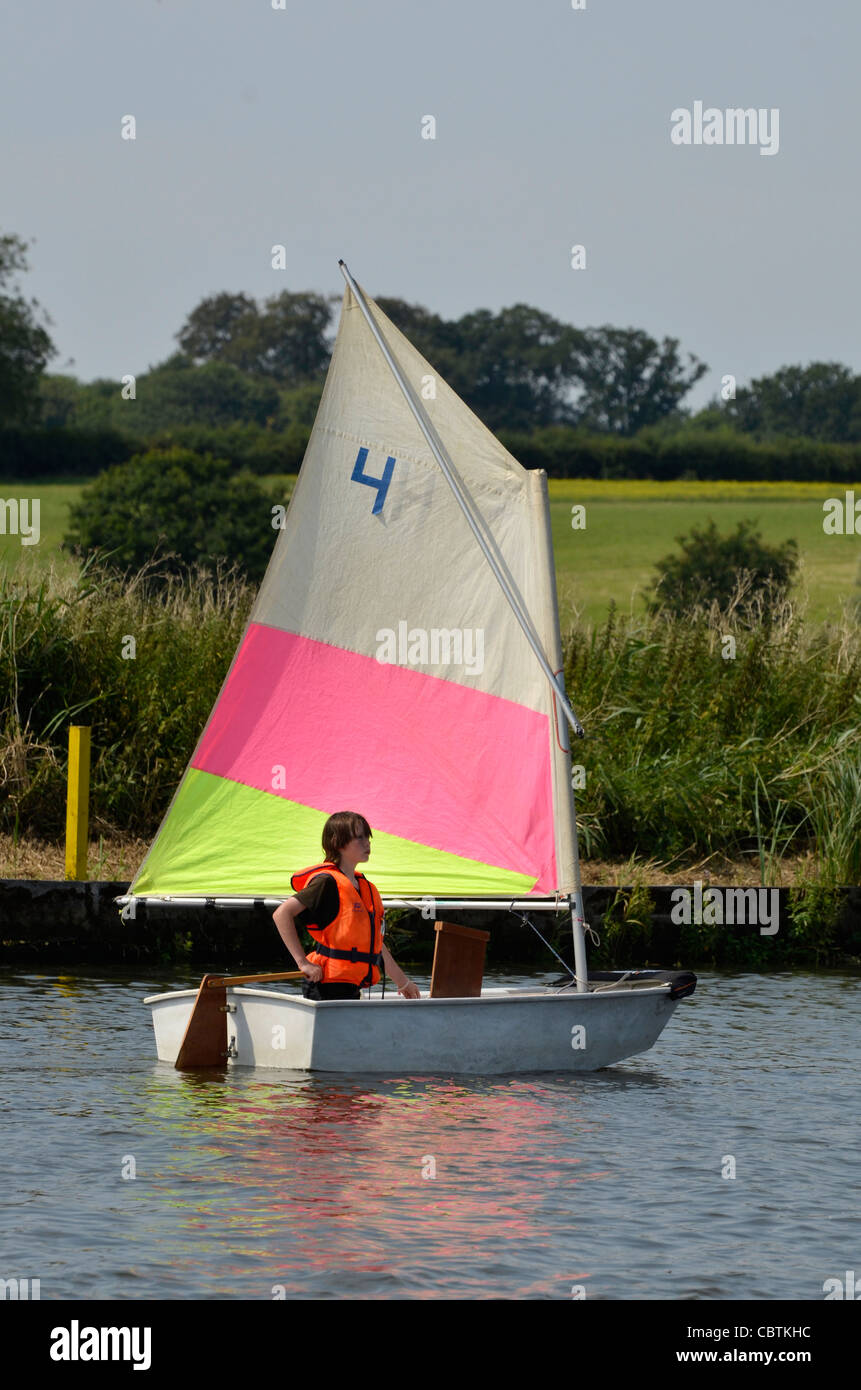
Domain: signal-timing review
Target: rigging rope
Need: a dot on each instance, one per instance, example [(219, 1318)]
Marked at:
[(593, 935), (524, 917)]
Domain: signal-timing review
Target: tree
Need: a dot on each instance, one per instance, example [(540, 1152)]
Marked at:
[(191, 505), (289, 343), (518, 369), (174, 394), (100, 405), (284, 342), (210, 330), (626, 380), (819, 401), (25, 346), (711, 565), (297, 406), (59, 398), (215, 394), (521, 363)]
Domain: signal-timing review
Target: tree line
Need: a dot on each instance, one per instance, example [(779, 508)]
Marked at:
[(259, 366)]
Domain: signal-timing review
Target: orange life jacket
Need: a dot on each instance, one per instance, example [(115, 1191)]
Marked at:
[(349, 950)]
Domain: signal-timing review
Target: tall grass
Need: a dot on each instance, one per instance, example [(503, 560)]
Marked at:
[(62, 640), (695, 747)]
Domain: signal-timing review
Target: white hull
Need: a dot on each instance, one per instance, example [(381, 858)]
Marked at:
[(504, 1031)]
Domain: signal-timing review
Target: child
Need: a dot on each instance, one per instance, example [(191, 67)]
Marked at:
[(344, 913)]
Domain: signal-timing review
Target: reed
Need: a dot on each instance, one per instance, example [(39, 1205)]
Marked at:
[(627, 922), (698, 745), (66, 654)]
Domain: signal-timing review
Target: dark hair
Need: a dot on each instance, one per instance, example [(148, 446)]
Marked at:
[(339, 830)]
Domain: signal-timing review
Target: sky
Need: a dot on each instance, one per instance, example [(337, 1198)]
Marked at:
[(302, 126)]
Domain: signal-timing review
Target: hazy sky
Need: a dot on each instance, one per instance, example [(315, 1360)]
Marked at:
[(302, 126)]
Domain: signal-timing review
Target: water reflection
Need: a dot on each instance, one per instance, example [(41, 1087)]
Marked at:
[(323, 1173)]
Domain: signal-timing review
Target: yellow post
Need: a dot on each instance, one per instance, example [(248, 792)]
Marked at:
[(78, 802)]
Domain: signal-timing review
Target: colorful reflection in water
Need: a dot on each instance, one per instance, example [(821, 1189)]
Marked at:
[(329, 1175)]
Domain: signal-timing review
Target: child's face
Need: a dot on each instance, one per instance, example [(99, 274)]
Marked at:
[(360, 848)]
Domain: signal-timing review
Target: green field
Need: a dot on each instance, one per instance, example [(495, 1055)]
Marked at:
[(629, 526)]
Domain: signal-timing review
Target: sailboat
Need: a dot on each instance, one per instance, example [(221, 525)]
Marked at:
[(402, 658)]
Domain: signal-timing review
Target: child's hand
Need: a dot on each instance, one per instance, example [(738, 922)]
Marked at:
[(409, 990), (311, 971)]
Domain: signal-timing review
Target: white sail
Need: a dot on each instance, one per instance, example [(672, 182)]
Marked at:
[(383, 669)]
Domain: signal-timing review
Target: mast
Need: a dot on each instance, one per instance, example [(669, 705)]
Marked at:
[(564, 809)]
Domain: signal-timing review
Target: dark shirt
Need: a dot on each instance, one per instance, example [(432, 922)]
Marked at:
[(320, 902)]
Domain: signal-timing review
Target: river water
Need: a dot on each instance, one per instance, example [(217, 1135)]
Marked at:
[(126, 1179)]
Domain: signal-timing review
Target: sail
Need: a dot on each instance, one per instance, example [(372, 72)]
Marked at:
[(382, 669)]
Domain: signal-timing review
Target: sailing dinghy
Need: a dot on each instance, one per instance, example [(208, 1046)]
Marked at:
[(403, 658)]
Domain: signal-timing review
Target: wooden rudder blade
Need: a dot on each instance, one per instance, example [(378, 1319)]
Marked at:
[(205, 1040)]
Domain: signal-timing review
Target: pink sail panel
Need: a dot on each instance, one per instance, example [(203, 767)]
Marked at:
[(422, 758)]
